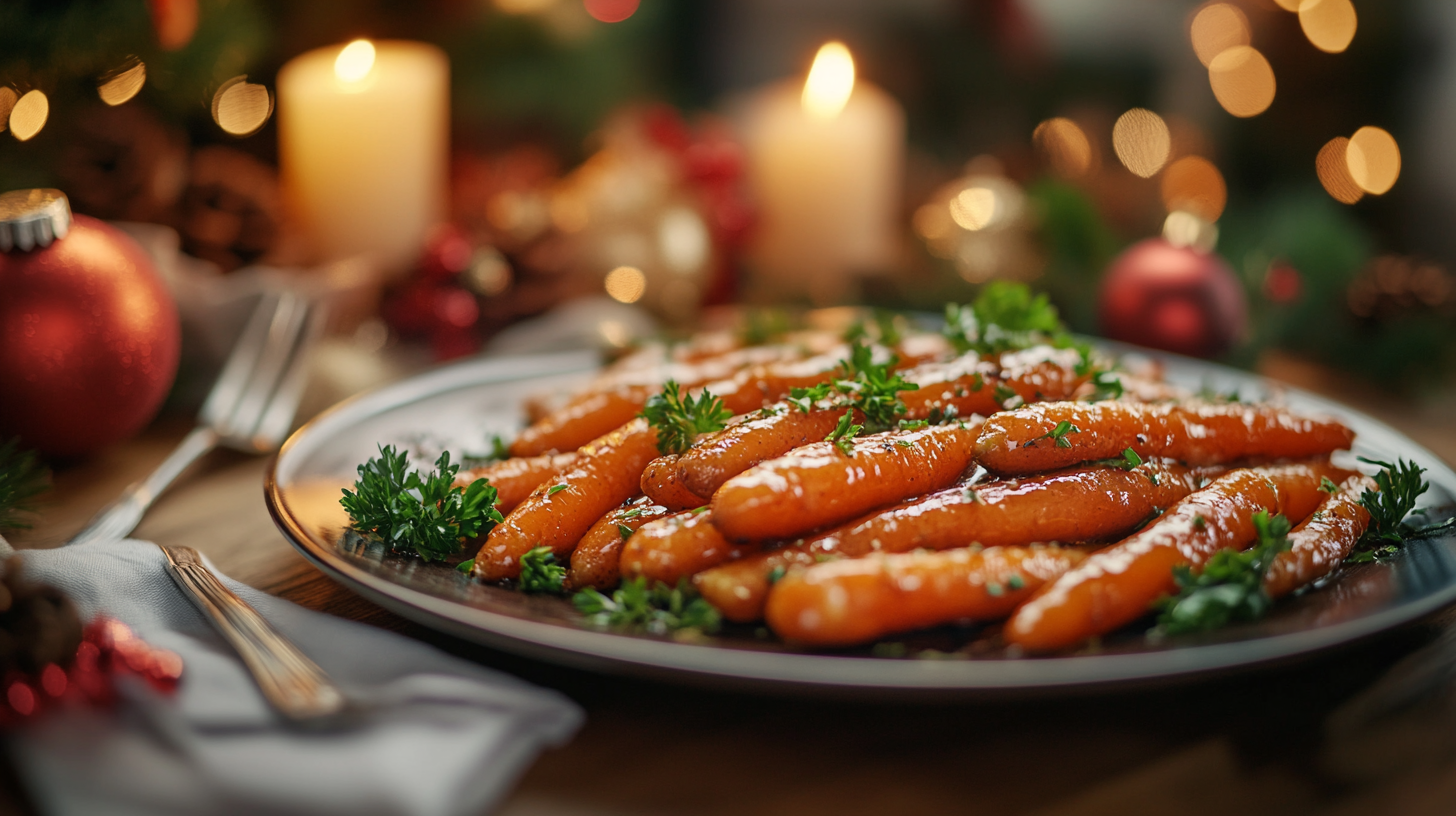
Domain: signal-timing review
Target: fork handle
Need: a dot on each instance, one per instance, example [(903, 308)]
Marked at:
[(123, 515), (294, 685)]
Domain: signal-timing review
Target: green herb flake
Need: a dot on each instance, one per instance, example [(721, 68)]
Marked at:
[(554, 489), (776, 573), (625, 531), (913, 424), (1058, 435), (1005, 316), (424, 514), (1400, 487), (1328, 486), (679, 420), (1016, 581), (465, 566), (1229, 588), (1006, 397), (805, 398), (658, 609), (843, 434), (994, 589), (1200, 523), (540, 573)]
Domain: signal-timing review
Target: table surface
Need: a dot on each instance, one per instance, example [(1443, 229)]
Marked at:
[(1259, 742)]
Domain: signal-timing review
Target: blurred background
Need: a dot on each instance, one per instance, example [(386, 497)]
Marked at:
[(1233, 179)]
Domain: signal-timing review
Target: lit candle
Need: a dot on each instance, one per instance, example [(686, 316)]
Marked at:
[(363, 137), (825, 161)]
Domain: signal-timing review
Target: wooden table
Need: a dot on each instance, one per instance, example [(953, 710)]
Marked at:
[(1253, 743)]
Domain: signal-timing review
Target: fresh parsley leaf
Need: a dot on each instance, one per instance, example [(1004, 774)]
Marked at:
[(1401, 486), (1005, 316), (888, 325), (1328, 486), (874, 388), (804, 398), (625, 531), (1127, 461), (1229, 588), (763, 325), (554, 489), (1106, 385), (844, 433), (776, 573), (913, 424), (1058, 435), (22, 478), (465, 566), (1006, 397), (679, 421), (659, 609), (424, 514), (540, 572)]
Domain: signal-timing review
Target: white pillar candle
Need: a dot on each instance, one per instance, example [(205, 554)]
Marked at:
[(363, 140), (826, 160)]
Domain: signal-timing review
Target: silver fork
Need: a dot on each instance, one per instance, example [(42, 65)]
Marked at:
[(250, 408)]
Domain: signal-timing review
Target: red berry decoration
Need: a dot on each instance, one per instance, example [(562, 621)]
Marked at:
[(1173, 298), (89, 340)]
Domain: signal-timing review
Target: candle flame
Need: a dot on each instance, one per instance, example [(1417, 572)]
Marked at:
[(355, 61), (831, 81)]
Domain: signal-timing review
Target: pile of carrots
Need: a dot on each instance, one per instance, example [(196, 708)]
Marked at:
[(1006, 493)]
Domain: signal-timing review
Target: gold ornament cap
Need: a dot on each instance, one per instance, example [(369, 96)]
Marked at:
[(33, 218)]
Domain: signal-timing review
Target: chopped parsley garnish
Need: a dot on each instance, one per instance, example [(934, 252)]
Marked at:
[(679, 421), (1328, 486), (1016, 581), (762, 325), (659, 609), (1400, 486), (1106, 385), (540, 572), (843, 434), (913, 424), (804, 398), (995, 589), (1127, 461), (776, 573), (1058, 435), (1230, 587), (423, 514), (625, 531), (1006, 397), (465, 566), (1004, 317), (874, 388), (554, 489)]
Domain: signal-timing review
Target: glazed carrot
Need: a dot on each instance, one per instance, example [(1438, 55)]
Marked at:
[(662, 481), (1022, 441), (819, 484), (856, 600), (1116, 585), (757, 386), (1319, 543), (678, 546), (582, 420), (1081, 504), (596, 560), (514, 479), (560, 511), (775, 431)]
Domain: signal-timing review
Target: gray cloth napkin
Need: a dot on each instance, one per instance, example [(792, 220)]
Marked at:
[(444, 736)]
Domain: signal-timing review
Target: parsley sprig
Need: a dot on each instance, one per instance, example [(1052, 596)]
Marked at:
[(1058, 436), (1230, 587), (872, 388), (22, 478), (679, 420), (1005, 316), (425, 514), (1401, 487), (658, 609), (540, 573), (844, 433)]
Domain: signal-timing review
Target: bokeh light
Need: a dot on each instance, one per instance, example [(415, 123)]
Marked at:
[(7, 104), (1217, 27), (626, 284), (611, 11), (1141, 141), (1194, 185), (1333, 169), (974, 208), (1329, 24), (29, 115), (355, 61), (1185, 229), (830, 82), (1065, 147), (122, 84), (1373, 159), (1242, 81), (525, 6), (241, 107), (1288, 5)]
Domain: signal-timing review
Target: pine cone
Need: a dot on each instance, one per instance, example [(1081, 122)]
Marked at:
[(123, 163), (38, 625), (231, 210)]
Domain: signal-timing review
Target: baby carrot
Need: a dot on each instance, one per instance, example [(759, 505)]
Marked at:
[(1057, 434), (514, 479), (560, 510), (678, 546), (856, 600), (663, 482), (1116, 585), (821, 484), (771, 433), (1081, 504), (581, 420), (596, 560), (1319, 543)]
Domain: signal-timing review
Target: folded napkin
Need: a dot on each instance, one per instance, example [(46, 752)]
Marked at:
[(442, 736)]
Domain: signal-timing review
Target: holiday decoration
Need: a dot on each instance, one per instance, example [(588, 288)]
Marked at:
[(232, 213), (123, 163), (89, 336), (979, 222), (49, 660), (1174, 298)]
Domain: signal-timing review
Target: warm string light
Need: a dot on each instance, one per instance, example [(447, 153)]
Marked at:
[(1217, 27), (1193, 184), (1142, 142), (626, 284), (1328, 24), (240, 107), (830, 82), (8, 96), (120, 85), (1333, 170), (1373, 159), (1242, 81), (1065, 147), (29, 115)]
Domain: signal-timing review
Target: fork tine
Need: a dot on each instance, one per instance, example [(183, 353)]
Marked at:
[(277, 417), (287, 322), (240, 363)]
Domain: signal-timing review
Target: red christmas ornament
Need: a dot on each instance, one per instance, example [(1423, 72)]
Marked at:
[(1173, 298), (89, 340)]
